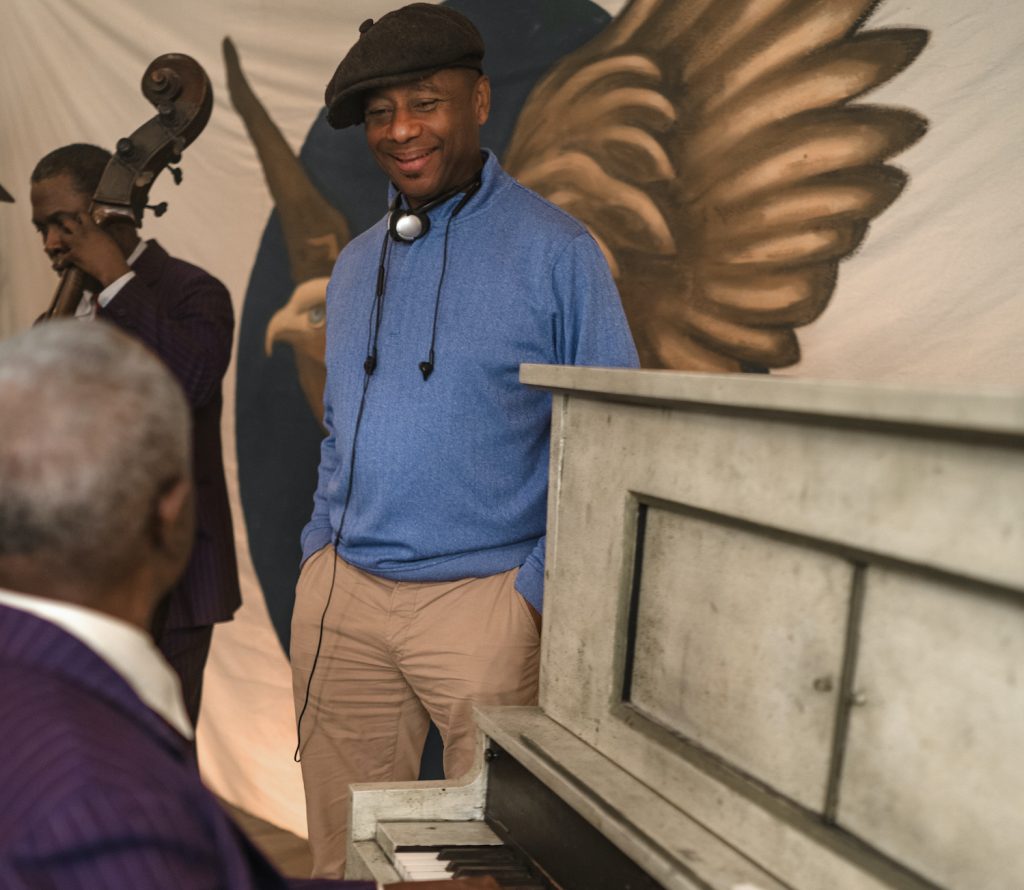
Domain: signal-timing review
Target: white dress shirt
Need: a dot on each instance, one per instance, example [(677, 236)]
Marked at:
[(129, 650)]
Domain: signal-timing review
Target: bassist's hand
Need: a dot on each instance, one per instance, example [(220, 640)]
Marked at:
[(92, 249)]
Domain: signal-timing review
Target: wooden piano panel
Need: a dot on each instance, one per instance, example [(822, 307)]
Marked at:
[(934, 766), (857, 479), (738, 646)]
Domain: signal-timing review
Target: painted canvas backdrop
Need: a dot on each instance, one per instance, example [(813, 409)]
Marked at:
[(933, 294)]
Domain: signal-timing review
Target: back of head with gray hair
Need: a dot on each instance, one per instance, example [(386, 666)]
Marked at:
[(93, 428)]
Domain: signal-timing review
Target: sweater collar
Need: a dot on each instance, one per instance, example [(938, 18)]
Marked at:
[(492, 181)]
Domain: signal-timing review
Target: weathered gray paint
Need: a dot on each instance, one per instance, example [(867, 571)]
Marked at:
[(933, 769), (735, 631), (770, 501)]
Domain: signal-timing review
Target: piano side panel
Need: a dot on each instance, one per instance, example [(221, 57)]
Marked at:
[(368, 862), (933, 771), (436, 801)]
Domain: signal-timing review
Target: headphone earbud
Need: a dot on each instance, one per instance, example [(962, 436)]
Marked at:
[(426, 369), (408, 225)]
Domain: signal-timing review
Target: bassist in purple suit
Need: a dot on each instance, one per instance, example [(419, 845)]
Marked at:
[(185, 316)]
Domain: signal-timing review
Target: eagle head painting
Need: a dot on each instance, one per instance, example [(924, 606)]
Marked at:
[(717, 150)]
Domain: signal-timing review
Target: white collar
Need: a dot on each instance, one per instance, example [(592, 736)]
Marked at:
[(137, 252), (129, 650)]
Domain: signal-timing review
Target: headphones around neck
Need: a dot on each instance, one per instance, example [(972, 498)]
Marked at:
[(406, 224)]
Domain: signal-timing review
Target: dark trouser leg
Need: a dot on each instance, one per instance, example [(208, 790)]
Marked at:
[(187, 648)]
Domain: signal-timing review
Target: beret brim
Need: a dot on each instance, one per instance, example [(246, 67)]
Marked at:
[(346, 108)]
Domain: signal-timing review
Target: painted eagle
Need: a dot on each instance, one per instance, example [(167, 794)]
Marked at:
[(715, 151)]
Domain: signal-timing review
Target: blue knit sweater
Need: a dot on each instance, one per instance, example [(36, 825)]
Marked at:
[(451, 473)]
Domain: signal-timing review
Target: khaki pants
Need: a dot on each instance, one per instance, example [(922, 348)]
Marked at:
[(395, 655)]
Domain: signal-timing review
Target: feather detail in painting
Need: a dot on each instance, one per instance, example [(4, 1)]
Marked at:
[(715, 152)]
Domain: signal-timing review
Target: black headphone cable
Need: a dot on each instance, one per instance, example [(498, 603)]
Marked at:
[(297, 756), (369, 366)]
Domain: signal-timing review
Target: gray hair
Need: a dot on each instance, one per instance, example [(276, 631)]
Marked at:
[(93, 428)]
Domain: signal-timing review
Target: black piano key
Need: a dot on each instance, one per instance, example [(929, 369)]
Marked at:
[(495, 851), (485, 863), (520, 886), (506, 865), (483, 866), (491, 868)]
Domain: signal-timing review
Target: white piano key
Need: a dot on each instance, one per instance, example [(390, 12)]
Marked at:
[(421, 865)]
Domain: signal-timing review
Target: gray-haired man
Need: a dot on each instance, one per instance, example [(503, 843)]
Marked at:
[(98, 785)]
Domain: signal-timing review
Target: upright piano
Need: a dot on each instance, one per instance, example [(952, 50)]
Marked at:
[(783, 647)]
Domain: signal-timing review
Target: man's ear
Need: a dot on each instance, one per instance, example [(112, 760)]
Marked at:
[(482, 99), (175, 517)]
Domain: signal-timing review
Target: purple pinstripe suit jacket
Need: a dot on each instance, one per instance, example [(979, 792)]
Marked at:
[(96, 791), (184, 315)]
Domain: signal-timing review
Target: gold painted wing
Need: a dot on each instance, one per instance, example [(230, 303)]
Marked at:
[(714, 150)]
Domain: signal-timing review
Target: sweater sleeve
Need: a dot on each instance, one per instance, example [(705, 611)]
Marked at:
[(318, 531), (591, 329), (530, 578)]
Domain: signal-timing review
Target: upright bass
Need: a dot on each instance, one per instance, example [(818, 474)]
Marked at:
[(178, 87)]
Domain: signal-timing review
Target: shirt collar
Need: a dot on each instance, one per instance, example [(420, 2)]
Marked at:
[(137, 252), (129, 650)]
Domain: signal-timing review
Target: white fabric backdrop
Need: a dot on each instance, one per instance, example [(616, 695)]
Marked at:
[(936, 293), (933, 295)]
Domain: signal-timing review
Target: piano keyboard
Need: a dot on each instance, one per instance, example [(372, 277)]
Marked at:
[(437, 851), (499, 862)]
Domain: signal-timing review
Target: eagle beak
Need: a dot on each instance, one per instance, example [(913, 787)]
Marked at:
[(277, 324)]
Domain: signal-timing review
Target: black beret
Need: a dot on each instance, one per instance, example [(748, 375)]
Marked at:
[(401, 46)]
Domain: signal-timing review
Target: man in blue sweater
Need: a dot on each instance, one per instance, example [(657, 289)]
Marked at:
[(423, 577)]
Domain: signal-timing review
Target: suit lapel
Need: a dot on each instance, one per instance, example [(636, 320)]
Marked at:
[(150, 264)]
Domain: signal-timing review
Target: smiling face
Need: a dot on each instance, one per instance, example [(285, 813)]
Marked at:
[(425, 135)]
